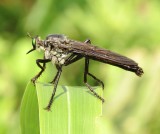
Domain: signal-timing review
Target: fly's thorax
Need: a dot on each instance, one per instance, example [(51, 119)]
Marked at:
[(56, 41), (57, 56), (59, 59), (53, 49), (56, 37)]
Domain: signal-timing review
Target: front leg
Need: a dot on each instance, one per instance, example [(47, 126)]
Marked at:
[(56, 80), (38, 61)]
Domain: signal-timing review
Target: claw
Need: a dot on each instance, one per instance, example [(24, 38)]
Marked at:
[(103, 100), (52, 82), (34, 80), (47, 108), (102, 85)]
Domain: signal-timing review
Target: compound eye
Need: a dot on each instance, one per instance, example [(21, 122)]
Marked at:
[(34, 42)]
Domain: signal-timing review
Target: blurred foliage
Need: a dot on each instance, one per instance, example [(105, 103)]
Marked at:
[(129, 27)]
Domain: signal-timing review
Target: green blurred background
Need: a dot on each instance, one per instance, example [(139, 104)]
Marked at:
[(131, 28)]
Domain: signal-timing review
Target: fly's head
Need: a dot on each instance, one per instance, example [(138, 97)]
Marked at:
[(37, 43)]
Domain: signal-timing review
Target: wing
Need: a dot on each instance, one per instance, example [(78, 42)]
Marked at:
[(106, 56), (100, 54)]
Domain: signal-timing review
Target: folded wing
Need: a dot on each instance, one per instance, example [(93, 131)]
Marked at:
[(105, 56)]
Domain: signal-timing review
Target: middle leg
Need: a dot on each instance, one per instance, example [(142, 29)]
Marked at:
[(56, 80)]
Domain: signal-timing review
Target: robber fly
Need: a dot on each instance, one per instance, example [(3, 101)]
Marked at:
[(63, 51)]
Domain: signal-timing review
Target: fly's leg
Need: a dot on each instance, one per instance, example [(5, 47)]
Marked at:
[(85, 80), (87, 41), (94, 77), (71, 59), (98, 80), (56, 80), (53, 81), (38, 61)]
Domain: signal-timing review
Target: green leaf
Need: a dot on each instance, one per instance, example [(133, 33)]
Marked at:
[(29, 115), (74, 110)]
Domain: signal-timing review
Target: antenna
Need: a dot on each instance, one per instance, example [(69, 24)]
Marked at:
[(28, 34)]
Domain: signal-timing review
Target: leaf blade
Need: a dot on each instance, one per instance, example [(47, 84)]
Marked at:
[(29, 114), (74, 109)]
